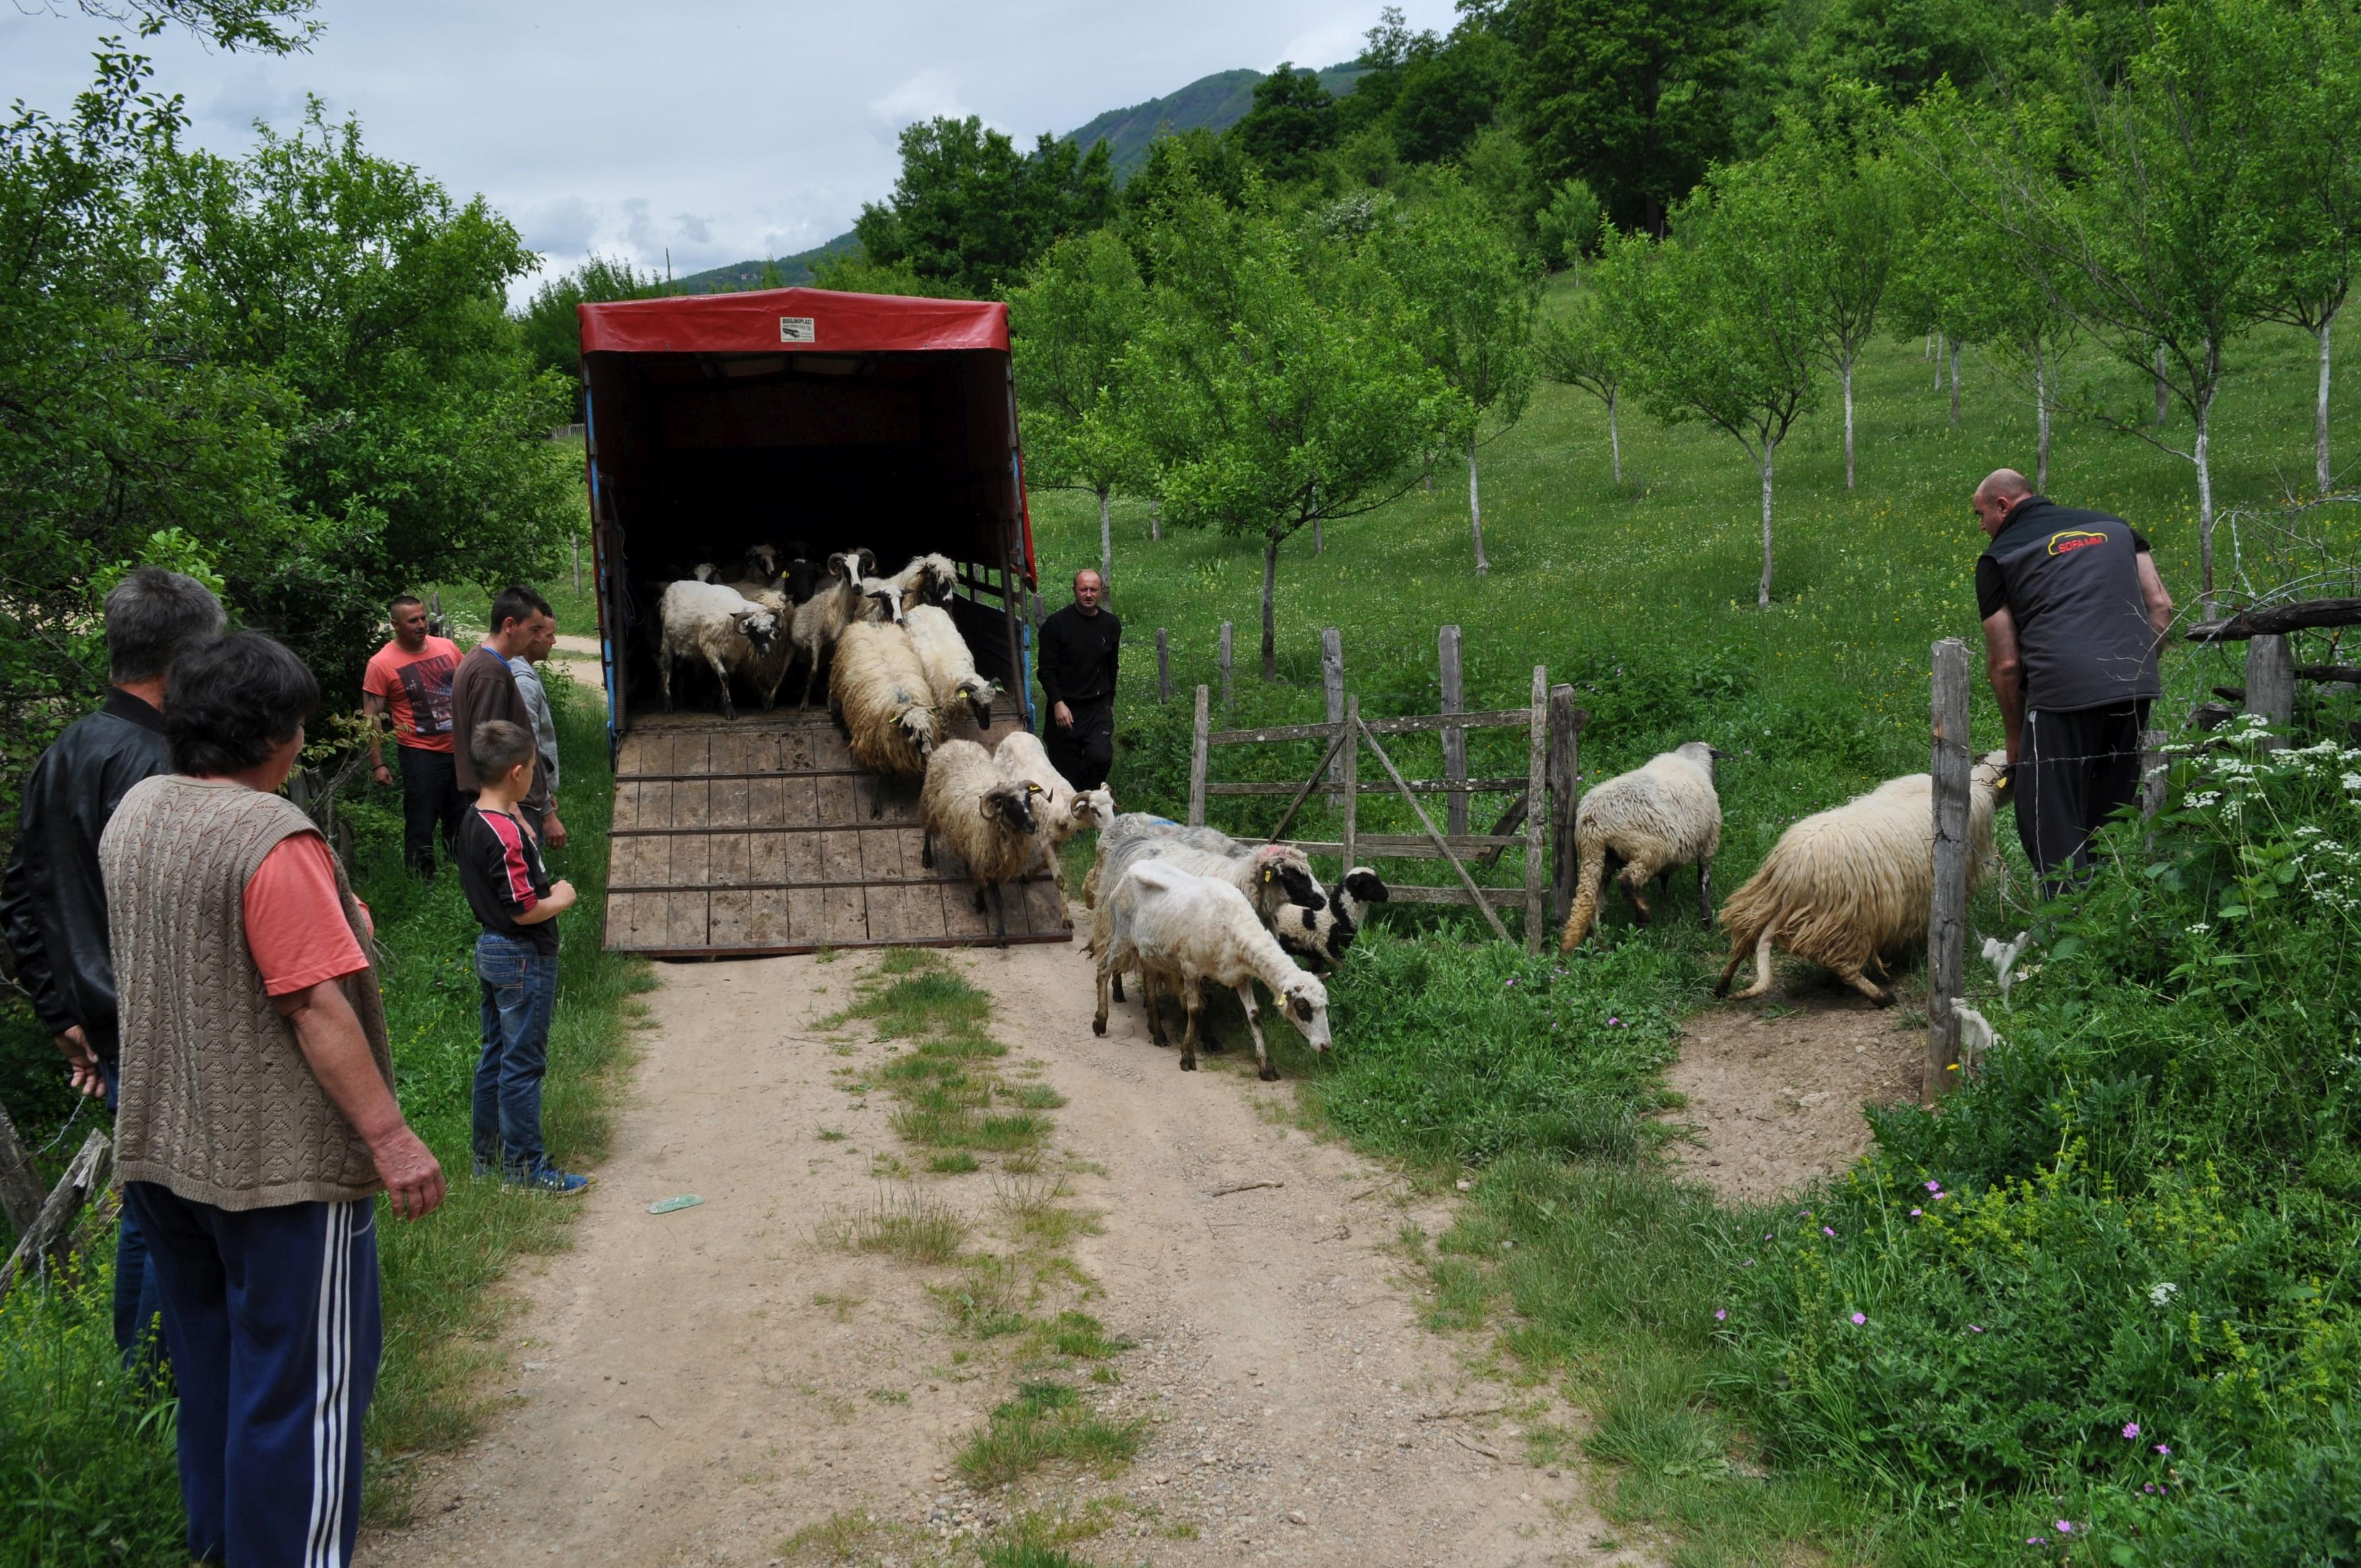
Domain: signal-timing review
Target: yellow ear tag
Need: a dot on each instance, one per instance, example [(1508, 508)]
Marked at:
[(1266, 873)]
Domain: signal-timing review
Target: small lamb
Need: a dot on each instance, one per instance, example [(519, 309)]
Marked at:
[(715, 626), (1183, 930), (988, 821), (1658, 816), (1318, 940)]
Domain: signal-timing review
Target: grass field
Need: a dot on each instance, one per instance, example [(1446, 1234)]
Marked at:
[(1845, 1378), (86, 1467)]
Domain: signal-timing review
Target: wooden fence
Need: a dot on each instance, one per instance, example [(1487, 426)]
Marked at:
[(1553, 726)]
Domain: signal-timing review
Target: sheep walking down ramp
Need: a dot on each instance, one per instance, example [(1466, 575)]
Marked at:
[(1847, 887)]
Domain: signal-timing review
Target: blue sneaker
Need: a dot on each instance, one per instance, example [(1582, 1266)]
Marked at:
[(485, 1167), (549, 1178)]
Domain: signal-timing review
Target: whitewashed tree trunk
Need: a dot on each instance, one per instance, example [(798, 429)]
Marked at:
[(2202, 455), (1763, 592), (1937, 355), (1319, 539), (1844, 371), (1475, 510), (1156, 521), (1614, 440), (1106, 539), (2320, 411), (1955, 383), (2040, 420)]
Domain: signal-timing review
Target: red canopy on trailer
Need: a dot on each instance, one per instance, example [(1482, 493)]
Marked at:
[(815, 321)]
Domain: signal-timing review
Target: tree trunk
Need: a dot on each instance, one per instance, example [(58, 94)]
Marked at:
[(1475, 510), (1614, 440), (1938, 357), (2040, 421), (2201, 452), (2163, 392), (1269, 619), (1955, 383), (1763, 592), (2320, 410), (1319, 539), (1156, 521), (1106, 539), (1844, 371), (1427, 484)]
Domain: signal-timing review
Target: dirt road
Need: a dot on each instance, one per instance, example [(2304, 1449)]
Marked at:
[(695, 1387)]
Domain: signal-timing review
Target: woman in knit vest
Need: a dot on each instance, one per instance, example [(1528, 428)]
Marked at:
[(257, 1117)]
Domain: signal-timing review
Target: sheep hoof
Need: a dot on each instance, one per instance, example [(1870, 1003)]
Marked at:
[(1268, 1075), (1883, 999), (1722, 989), (1119, 988), (1098, 1026), (1187, 1064)]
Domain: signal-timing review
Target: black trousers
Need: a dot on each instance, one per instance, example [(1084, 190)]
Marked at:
[(1086, 753), (430, 795), (2073, 772)]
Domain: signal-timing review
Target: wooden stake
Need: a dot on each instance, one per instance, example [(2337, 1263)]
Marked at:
[(20, 1184), (1455, 741), (1225, 666), (1332, 680), (1537, 774), (2153, 775), (1197, 761), (1163, 667), (52, 1235), (1565, 722), (1348, 734), (1459, 869), (576, 545), (1946, 920), (2271, 685)]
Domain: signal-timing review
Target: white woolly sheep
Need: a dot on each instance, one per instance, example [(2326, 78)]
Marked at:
[(714, 626), (985, 818), (1183, 930), (927, 579), (879, 691), (1270, 876), (1847, 886), (768, 671), (1064, 809), (1660, 815), (1319, 938), (820, 618), (950, 668)]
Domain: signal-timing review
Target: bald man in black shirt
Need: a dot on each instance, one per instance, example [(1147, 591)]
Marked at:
[(1078, 646)]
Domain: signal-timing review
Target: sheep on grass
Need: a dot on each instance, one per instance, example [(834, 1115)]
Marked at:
[(951, 667), (988, 821), (1658, 816), (1848, 886), (1270, 876), (1064, 809), (879, 691), (1182, 931), (715, 626), (1319, 938)]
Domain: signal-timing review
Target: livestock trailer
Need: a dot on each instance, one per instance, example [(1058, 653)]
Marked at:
[(802, 419)]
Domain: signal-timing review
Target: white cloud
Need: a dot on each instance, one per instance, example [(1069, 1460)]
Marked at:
[(919, 97)]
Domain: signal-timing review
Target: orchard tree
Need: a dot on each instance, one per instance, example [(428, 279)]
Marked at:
[(1069, 326), (1727, 324), (1276, 383), (1475, 293), (1588, 345)]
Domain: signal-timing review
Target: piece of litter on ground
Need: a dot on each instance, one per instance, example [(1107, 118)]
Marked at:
[(1242, 1187), (667, 1205), (1470, 1444)]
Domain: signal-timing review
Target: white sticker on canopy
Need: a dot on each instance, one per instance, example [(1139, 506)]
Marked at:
[(798, 329)]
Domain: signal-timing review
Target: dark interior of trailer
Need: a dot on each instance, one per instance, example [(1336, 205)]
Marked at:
[(699, 456)]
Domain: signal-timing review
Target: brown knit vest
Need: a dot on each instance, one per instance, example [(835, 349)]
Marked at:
[(217, 1100)]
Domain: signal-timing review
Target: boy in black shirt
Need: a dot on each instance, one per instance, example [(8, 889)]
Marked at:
[(516, 960)]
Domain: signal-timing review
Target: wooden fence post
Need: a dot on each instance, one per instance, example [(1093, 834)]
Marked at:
[(20, 1184), (1197, 763), (1332, 684), (2154, 774), (1946, 921), (1163, 667), (1455, 741), (1564, 796), (52, 1232), (1349, 755), (2271, 685), (1536, 782), (576, 545), (1225, 666)]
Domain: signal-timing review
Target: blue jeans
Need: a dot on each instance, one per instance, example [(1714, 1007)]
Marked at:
[(138, 1300), (519, 995)]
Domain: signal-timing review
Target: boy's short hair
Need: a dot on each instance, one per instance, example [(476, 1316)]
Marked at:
[(516, 602), (498, 746)]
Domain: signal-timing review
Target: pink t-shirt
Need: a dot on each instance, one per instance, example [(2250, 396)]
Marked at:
[(295, 925)]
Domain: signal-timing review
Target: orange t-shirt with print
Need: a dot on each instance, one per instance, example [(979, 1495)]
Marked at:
[(417, 688)]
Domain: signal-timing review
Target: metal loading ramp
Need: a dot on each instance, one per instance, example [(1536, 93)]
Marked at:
[(754, 837)]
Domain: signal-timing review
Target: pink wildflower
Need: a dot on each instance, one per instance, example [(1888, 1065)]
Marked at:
[(1858, 1318), (2065, 1527), (1720, 1314), (2131, 1428)]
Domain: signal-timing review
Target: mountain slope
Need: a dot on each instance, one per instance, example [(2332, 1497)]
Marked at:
[(1213, 103)]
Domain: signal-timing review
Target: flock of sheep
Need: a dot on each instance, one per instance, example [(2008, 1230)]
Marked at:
[(1841, 888)]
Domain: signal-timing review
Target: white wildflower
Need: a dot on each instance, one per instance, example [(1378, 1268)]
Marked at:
[(2161, 1295)]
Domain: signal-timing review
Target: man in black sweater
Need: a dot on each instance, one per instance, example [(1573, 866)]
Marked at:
[(2073, 611), (1078, 645)]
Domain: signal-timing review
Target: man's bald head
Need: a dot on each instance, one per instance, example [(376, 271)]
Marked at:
[(1998, 496), (1089, 588)]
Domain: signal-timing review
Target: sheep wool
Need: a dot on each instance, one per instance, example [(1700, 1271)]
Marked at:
[(715, 626), (879, 691), (1849, 885), (1658, 816), (1022, 759), (1182, 930), (1318, 940), (986, 820), (822, 617), (951, 667)]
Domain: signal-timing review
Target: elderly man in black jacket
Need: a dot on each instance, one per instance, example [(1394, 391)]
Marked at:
[(53, 902), (1080, 645)]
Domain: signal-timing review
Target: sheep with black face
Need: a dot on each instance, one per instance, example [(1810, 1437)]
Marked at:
[(988, 821)]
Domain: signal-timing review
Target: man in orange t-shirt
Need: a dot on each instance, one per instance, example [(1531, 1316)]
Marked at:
[(409, 680)]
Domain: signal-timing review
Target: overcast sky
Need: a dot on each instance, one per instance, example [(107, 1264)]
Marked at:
[(720, 130)]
